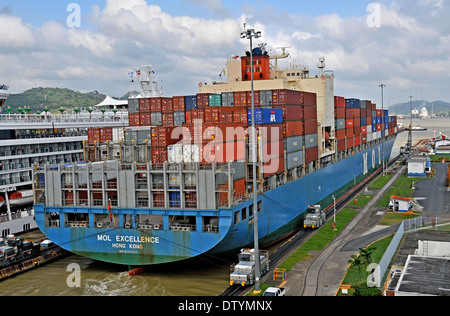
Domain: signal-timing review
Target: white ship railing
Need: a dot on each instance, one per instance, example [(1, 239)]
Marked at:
[(62, 121)]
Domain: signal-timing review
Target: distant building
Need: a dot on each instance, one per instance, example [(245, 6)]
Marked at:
[(417, 166), (443, 147), (400, 204)]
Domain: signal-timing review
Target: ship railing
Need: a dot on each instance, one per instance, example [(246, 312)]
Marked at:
[(183, 227), (4, 218), (54, 223), (80, 224), (210, 229)]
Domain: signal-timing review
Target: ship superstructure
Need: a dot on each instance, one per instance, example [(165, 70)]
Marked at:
[(179, 182)]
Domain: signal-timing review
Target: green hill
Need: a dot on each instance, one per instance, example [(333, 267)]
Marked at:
[(53, 98), (439, 107)]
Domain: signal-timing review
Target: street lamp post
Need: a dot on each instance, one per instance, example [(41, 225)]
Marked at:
[(250, 34), (383, 123)]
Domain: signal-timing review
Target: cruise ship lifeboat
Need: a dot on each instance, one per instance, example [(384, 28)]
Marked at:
[(21, 198)]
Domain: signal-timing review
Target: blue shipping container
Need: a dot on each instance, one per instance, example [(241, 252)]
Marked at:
[(266, 116), (353, 103), (374, 128), (374, 121), (379, 120), (190, 102), (386, 125), (363, 121)]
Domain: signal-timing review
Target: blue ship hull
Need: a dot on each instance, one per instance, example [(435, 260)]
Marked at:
[(281, 214)]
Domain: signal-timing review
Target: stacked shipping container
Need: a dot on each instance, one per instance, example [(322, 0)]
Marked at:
[(291, 114), (358, 122)]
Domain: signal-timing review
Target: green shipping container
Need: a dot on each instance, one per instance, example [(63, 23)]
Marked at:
[(215, 100)]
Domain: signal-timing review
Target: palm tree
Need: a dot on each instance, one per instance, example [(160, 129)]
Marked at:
[(358, 263), (366, 255)]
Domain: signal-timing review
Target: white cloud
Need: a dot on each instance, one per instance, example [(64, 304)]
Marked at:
[(14, 33)]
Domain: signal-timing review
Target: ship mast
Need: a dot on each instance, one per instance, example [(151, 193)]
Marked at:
[(282, 56), (148, 81)]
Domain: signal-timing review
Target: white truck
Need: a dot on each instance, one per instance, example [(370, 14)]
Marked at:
[(315, 217), (243, 273), (275, 291)]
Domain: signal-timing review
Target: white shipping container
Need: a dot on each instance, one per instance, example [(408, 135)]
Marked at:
[(175, 153), (191, 153), (378, 135), (117, 134)]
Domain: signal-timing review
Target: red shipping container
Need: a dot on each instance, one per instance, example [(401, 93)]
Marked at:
[(211, 114), (188, 117), (249, 98), (167, 105), (155, 104), (349, 123), (178, 104), (273, 167), (133, 119), (231, 151), (311, 154), (197, 114), (308, 99), (310, 127), (159, 155), (378, 127), (310, 113), (226, 132), (291, 112), (202, 100), (357, 140), (225, 117), (339, 102), (239, 188), (357, 122), (340, 134), (363, 139), (350, 142), (356, 113), (341, 145), (363, 130), (348, 113), (294, 128), (144, 119), (379, 113), (158, 199), (240, 98), (339, 112), (349, 132), (269, 133), (144, 105), (167, 119), (363, 112)]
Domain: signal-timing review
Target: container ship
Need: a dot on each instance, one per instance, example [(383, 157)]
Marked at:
[(178, 182)]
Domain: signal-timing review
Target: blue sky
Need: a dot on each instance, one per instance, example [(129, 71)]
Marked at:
[(37, 12), (188, 41)]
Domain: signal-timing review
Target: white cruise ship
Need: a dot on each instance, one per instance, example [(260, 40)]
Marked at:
[(27, 140)]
